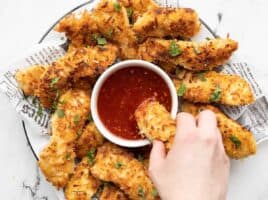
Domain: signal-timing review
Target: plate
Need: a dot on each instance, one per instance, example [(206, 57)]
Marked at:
[(246, 176)]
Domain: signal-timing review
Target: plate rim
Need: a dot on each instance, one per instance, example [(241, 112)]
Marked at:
[(47, 33)]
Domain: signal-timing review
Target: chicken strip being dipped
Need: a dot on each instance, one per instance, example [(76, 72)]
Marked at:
[(238, 141), (116, 165), (83, 62), (209, 87), (56, 160), (163, 22), (195, 56), (82, 185)]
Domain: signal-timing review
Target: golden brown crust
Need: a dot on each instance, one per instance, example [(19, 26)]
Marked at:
[(155, 122), (116, 165), (82, 185), (83, 62), (230, 130), (57, 159), (163, 22), (90, 138), (28, 79), (194, 56), (200, 87), (112, 193)]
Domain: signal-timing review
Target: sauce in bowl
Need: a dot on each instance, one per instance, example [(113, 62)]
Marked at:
[(121, 94)]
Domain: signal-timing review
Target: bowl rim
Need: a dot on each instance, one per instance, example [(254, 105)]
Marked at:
[(94, 99)]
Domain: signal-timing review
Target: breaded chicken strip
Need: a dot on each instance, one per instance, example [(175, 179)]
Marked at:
[(56, 160), (28, 79), (136, 8), (116, 165), (211, 86), (112, 21), (155, 122), (163, 22), (83, 62), (238, 141), (195, 56), (79, 29), (90, 138), (82, 185), (110, 192)]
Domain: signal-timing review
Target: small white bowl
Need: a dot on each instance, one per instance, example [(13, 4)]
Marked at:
[(95, 93)]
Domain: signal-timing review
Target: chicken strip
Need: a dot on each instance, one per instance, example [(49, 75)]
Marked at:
[(155, 122), (82, 185), (116, 165), (209, 87), (56, 160), (238, 141), (79, 29), (28, 79), (83, 62), (112, 21), (195, 56), (90, 138), (111, 192), (136, 8), (163, 22)]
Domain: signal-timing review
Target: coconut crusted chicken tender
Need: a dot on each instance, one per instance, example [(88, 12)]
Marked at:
[(238, 141), (163, 22), (111, 192), (90, 138), (56, 160), (195, 56), (209, 87), (28, 79), (112, 21), (155, 122), (116, 165), (82, 185), (83, 62)]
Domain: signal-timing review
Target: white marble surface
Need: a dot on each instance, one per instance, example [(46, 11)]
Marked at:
[(23, 23)]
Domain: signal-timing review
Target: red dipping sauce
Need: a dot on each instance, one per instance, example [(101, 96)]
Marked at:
[(123, 92)]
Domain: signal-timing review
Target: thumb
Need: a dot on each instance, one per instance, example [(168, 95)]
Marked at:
[(157, 156)]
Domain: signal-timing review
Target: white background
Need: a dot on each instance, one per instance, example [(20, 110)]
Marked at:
[(24, 22)]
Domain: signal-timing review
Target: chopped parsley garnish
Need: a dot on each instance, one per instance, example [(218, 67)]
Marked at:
[(34, 101), (141, 192), (155, 192), (216, 95), (117, 6), (79, 132), (118, 165), (177, 71), (129, 13), (110, 33), (54, 81), (76, 119), (101, 41), (140, 158), (181, 90), (91, 155), (40, 110), (174, 49), (235, 140), (62, 102), (201, 76), (94, 36), (68, 156), (60, 113)]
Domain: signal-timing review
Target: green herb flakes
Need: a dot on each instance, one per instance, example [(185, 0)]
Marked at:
[(110, 33), (39, 110), (129, 12), (118, 165), (117, 6), (60, 113), (54, 81), (76, 119), (174, 49), (101, 41), (216, 95), (155, 192), (181, 90), (235, 140), (91, 155), (68, 156), (141, 192), (201, 76)]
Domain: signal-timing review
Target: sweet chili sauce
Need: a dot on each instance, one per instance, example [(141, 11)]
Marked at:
[(123, 92)]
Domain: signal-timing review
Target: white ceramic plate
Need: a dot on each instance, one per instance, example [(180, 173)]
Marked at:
[(246, 176)]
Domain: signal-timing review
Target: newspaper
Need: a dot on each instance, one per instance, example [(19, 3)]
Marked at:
[(254, 116)]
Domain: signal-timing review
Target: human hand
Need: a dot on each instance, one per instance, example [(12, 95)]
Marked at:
[(197, 166)]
